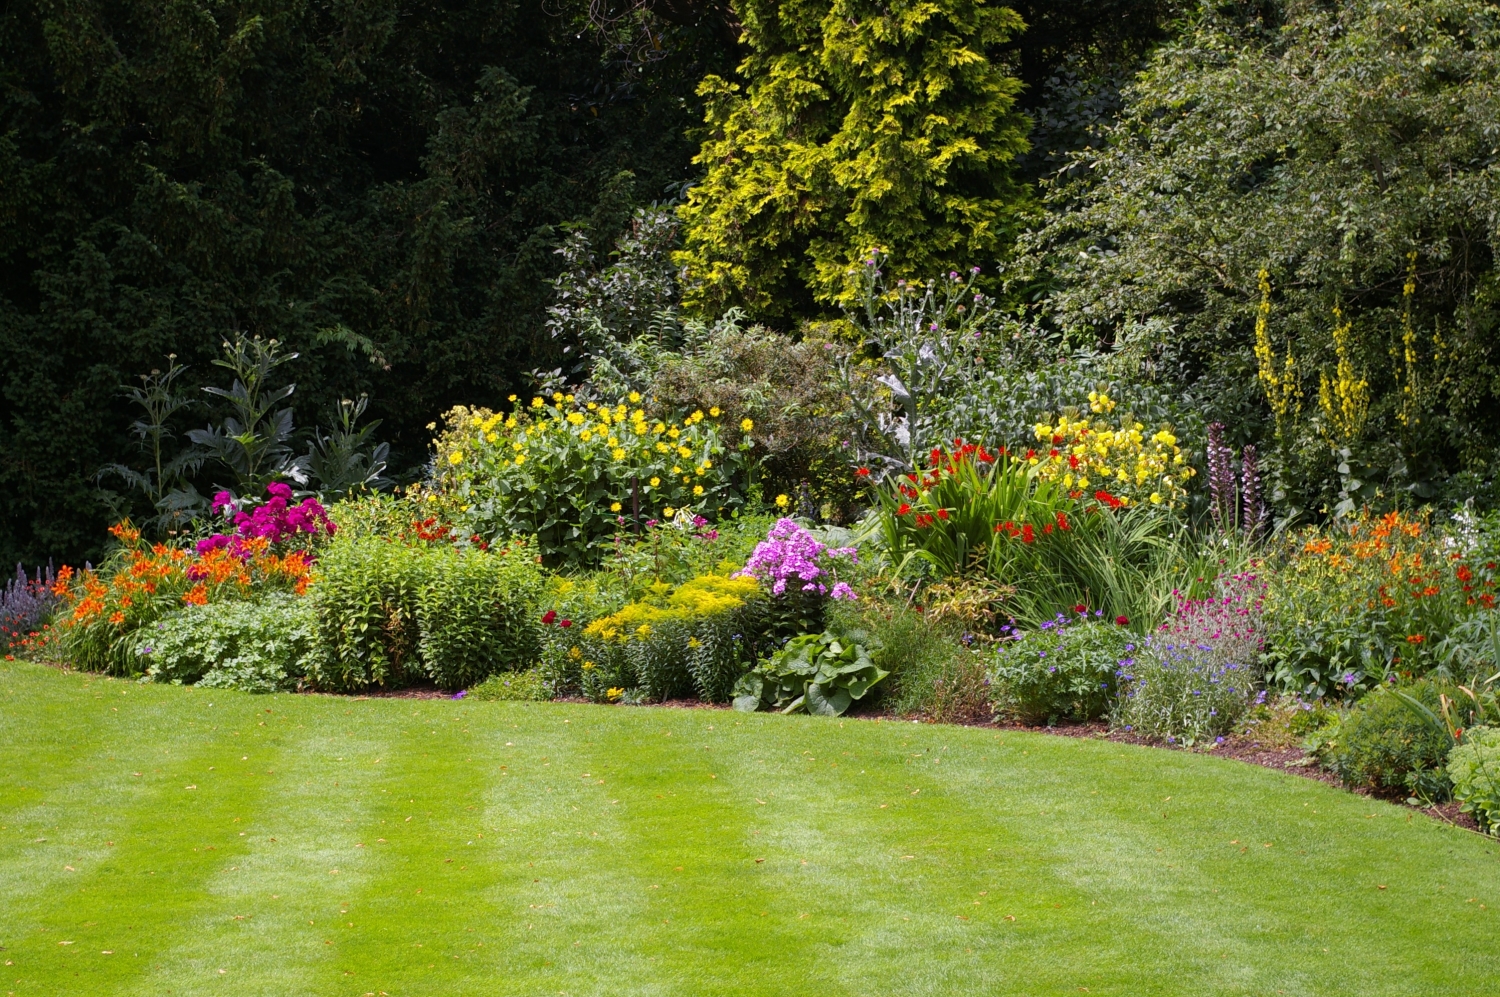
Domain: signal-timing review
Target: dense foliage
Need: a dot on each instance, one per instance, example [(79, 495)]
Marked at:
[(380, 186), (857, 125), (1293, 216)]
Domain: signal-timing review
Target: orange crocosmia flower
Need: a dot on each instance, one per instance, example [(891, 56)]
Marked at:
[(1415, 639)]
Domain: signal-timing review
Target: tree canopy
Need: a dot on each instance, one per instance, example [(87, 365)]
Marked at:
[(1297, 213), (857, 125)]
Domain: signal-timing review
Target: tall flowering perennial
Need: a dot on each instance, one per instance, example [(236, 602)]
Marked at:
[(276, 521), (791, 556), (568, 470), (1361, 600), (24, 603), (1087, 456)]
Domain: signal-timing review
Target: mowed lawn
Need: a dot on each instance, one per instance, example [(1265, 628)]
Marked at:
[(159, 840)]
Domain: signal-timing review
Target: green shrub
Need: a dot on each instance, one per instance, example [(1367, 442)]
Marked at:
[(1386, 746), (818, 673), (529, 685), (1064, 671), (393, 612), (1474, 768), (262, 646), (475, 616), (567, 472), (366, 600)]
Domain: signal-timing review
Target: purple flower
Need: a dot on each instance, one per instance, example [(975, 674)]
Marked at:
[(841, 591), (792, 552), (223, 501), (460, 694)]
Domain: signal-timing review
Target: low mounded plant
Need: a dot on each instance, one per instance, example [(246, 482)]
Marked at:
[(1065, 670), (820, 673), (1385, 745), (267, 645), (528, 686), (1474, 768)]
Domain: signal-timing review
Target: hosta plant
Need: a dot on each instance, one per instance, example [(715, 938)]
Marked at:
[(820, 673)]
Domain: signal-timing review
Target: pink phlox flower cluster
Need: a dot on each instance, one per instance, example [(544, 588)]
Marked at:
[(790, 554), (276, 520)]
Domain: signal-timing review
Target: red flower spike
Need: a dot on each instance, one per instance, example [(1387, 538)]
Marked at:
[(903, 509)]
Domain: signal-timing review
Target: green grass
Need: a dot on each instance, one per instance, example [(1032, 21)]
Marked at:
[(220, 843)]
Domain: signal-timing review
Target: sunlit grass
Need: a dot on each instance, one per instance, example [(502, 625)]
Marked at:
[(160, 840)]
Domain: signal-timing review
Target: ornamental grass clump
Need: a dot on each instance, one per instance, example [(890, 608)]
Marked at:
[(1196, 678), (973, 511)]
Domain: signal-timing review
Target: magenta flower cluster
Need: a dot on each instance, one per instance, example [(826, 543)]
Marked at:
[(275, 519), (1228, 621), (791, 554)]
